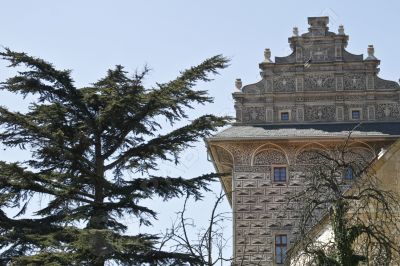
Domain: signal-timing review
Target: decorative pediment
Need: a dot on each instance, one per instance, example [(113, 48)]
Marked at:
[(318, 82)]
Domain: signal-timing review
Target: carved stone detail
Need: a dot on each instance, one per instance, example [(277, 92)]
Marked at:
[(253, 114), (319, 82), (284, 84), (269, 157), (388, 111), (320, 113), (241, 152), (223, 156), (354, 82), (319, 53), (319, 71)]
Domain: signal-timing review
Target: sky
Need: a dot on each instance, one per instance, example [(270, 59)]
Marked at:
[(169, 36)]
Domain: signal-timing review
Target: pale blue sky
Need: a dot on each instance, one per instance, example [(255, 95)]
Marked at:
[(91, 36)]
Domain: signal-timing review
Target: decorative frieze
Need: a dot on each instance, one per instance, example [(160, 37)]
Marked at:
[(284, 84), (253, 114), (319, 53), (319, 82), (320, 113), (267, 111), (354, 81), (388, 111), (269, 157)]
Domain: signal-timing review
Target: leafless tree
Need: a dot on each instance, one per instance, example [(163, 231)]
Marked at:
[(342, 188), (207, 243)]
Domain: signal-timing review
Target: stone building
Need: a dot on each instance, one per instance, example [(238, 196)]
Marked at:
[(308, 100), (386, 168)]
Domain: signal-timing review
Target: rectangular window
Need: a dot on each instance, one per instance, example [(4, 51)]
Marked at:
[(355, 114), (279, 174), (280, 248), (348, 174), (285, 116)]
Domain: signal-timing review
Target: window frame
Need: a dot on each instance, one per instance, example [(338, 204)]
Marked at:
[(279, 167), (280, 260), (289, 116), (359, 110)]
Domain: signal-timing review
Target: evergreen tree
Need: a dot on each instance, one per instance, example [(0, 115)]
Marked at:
[(82, 143)]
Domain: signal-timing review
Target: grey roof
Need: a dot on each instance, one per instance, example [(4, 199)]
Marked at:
[(388, 129)]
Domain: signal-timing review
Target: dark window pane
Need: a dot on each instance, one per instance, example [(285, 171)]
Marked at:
[(348, 174), (283, 254), (279, 174), (278, 251), (355, 114), (276, 172), (285, 116), (280, 248), (283, 173)]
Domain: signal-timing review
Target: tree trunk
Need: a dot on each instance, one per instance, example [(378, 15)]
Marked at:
[(98, 220)]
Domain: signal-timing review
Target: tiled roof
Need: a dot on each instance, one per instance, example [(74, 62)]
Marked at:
[(310, 130)]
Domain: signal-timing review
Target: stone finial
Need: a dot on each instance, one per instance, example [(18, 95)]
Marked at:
[(267, 55), (295, 32), (238, 84), (371, 50), (341, 30), (371, 53)]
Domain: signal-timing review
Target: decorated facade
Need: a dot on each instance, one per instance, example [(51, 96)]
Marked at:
[(306, 101)]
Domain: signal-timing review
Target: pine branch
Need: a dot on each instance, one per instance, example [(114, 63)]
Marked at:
[(171, 143)]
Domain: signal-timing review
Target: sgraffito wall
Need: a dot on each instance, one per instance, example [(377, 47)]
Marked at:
[(260, 210)]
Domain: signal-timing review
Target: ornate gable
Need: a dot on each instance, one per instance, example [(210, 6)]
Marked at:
[(318, 82)]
